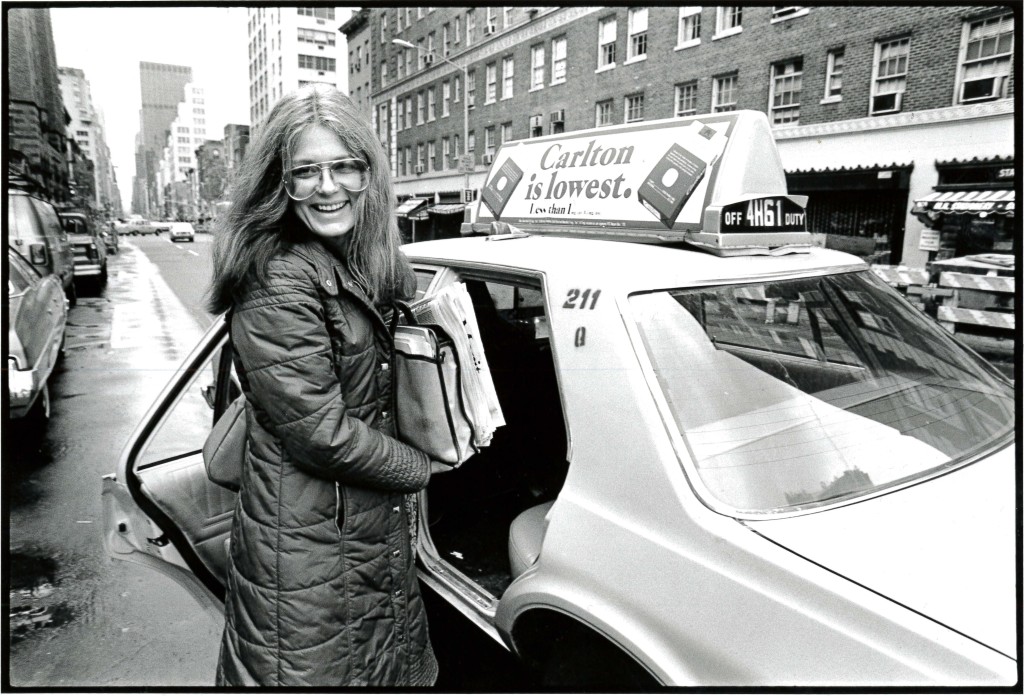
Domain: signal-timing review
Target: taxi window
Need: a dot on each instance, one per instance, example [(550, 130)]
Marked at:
[(20, 217), (19, 276), (812, 390), (423, 280)]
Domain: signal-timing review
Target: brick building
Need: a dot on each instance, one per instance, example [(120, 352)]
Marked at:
[(357, 33), (868, 104)]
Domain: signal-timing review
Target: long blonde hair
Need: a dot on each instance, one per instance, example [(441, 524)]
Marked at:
[(260, 223)]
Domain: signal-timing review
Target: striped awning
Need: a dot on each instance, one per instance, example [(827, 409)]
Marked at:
[(446, 209), (982, 203), (409, 205)]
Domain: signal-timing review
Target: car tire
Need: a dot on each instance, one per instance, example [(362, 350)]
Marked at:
[(580, 660), (71, 292), (103, 277)]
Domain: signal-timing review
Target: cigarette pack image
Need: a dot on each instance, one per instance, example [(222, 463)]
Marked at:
[(501, 186), (672, 181)]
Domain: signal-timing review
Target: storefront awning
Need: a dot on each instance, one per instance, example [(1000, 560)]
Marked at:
[(420, 214), (981, 203), (409, 206), (446, 209)]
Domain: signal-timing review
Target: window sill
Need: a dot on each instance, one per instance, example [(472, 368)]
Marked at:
[(490, 101), (605, 68), (786, 18), (537, 88), (687, 44), (557, 82), (635, 120), (635, 59), (831, 100), (508, 97), (727, 33)]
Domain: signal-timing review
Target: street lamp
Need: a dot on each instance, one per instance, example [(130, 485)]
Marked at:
[(465, 110)]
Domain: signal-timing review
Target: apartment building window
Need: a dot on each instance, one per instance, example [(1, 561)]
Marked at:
[(408, 159), (783, 12), (784, 92), (489, 140), (986, 56), (506, 133), (634, 108), (420, 159), (637, 47), (606, 43), (723, 93), (421, 53), (408, 112), (686, 99), (689, 27), (408, 16), (457, 90), (431, 103), (508, 17), (491, 26), (446, 42), (407, 55), (508, 72), (317, 63), (322, 38), (446, 98), (471, 89), (455, 145), (890, 75), (383, 73), (603, 113), (398, 21), (430, 45), (432, 155), (446, 152), (383, 28), (318, 12), (457, 29), (491, 83), (834, 75), (419, 109), (537, 67), (559, 60), (470, 26), (536, 125), (728, 21), (382, 121), (471, 141), (419, 12)]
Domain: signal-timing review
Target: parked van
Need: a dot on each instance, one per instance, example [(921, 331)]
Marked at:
[(35, 231)]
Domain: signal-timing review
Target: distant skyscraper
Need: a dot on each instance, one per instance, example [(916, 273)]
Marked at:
[(163, 88)]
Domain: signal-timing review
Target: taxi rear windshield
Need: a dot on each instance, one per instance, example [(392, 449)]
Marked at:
[(805, 392)]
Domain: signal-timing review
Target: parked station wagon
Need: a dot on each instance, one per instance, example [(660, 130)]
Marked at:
[(731, 457)]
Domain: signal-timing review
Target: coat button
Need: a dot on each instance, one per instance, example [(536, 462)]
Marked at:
[(384, 367), (396, 553), (396, 509), (384, 414)]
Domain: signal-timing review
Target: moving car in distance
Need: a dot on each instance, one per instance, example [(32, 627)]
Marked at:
[(143, 227), (89, 247), (731, 457), (37, 314), (182, 232)]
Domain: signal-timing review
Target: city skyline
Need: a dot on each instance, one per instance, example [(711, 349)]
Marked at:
[(210, 40)]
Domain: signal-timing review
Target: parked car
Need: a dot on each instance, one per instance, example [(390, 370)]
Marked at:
[(36, 318), (182, 231), (34, 230), (730, 458), (89, 247)]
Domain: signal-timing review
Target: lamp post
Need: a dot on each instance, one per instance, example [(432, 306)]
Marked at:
[(465, 109)]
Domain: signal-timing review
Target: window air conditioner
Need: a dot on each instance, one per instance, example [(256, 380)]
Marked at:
[(536, 121), (982, 88), (488, 158), (419, 168), (557, 116), (886, 103), (428, 60), (490, 29)]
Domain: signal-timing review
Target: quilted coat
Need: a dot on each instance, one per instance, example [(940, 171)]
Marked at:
[(322, 588)]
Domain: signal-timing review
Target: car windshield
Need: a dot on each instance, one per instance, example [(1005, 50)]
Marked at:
[(805, 392)]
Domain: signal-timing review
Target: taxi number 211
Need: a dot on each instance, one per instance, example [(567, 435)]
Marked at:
[(583, 298)]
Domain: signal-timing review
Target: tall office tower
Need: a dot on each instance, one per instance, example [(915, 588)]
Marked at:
[(290, 47), (86, 128), (177, 180), (163, 88)]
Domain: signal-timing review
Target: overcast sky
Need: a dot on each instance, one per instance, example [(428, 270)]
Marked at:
[(108, 43)]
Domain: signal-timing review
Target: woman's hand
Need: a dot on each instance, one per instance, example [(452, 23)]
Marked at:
[(439, 467)]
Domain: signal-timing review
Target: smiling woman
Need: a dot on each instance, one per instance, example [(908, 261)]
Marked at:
[(307, 265)]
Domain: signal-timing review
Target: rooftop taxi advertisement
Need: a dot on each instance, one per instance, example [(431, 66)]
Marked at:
[(655, 176)]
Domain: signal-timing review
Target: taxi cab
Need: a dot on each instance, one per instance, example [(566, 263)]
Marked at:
[(731, 457)]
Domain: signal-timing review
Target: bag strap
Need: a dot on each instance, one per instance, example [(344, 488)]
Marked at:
[(401, 308)]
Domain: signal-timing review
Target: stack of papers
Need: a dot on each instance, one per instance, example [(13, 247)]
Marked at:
[(452, 310)]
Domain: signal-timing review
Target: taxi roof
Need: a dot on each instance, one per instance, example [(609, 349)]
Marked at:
[(628, 265)]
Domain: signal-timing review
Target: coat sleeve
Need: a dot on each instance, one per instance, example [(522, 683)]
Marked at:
[(280, 333)]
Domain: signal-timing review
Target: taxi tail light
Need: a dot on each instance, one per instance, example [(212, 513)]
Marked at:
[(37, 254)]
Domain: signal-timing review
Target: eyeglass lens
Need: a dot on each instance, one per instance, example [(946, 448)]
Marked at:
[(305, 180)]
